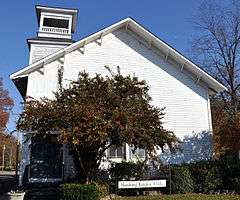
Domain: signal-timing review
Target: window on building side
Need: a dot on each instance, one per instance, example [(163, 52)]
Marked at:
[(116, 152), (139, 153)]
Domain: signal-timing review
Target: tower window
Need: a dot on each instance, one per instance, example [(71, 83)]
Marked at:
[(58, 23)]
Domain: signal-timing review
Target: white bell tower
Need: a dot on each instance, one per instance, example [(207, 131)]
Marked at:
[(55, 29)]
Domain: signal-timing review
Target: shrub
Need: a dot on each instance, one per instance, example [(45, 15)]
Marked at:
[(127, 170), (103, 188), (236, 183), (231, 174), (213, 179), (181, 180), (206, 175), (102, 175), (75, 191)]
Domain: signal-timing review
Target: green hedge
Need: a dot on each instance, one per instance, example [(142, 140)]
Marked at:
[(201, 177), (206, 177), (210, 176), (75, 191), (181, 180)]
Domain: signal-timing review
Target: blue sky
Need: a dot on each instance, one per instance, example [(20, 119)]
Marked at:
[(171, 20)]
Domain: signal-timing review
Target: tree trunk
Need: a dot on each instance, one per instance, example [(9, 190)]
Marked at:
[(86, 166)]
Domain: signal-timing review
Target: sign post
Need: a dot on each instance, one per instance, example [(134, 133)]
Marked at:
[(3, 157), (170, 179)]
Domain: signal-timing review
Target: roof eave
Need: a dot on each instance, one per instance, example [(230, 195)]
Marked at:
[(21, 85), (24, 71), (213, 83)]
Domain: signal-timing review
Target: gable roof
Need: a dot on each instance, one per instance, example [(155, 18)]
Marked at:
[(131, 24)]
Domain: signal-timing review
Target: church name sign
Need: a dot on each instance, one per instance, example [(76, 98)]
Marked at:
[(141, 184)]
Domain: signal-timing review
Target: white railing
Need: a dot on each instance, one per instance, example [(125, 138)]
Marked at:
[(54, 30)]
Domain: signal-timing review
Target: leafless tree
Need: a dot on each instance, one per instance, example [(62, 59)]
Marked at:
[(217, 46)]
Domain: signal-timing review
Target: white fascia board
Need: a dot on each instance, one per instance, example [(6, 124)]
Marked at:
[(131, 24), (96, 35), (187, 63), (25, 71), (54, 9), (49, 42)]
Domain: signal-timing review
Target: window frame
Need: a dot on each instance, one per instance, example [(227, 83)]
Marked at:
[(123, 152)]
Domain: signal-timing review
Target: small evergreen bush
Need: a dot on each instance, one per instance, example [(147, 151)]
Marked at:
[(213, 179), (207, 176), (230, 174), (75, 191), (181, 180), (127, 170), (103, 188)]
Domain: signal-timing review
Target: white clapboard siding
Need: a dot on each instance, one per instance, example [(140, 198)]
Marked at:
[(185, 99), (186, 102), (39, 51)]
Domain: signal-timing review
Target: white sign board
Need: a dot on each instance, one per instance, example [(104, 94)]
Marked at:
[(141, 184)]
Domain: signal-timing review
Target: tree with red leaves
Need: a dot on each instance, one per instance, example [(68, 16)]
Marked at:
[(6, 104), (95, 113)]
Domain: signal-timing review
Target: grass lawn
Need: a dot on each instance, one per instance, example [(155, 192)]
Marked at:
[(184, 197)]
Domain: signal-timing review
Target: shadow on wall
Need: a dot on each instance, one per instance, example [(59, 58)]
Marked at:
[(192, 149)]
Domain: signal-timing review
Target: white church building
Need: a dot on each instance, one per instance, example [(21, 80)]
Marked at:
[(175, 82)]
